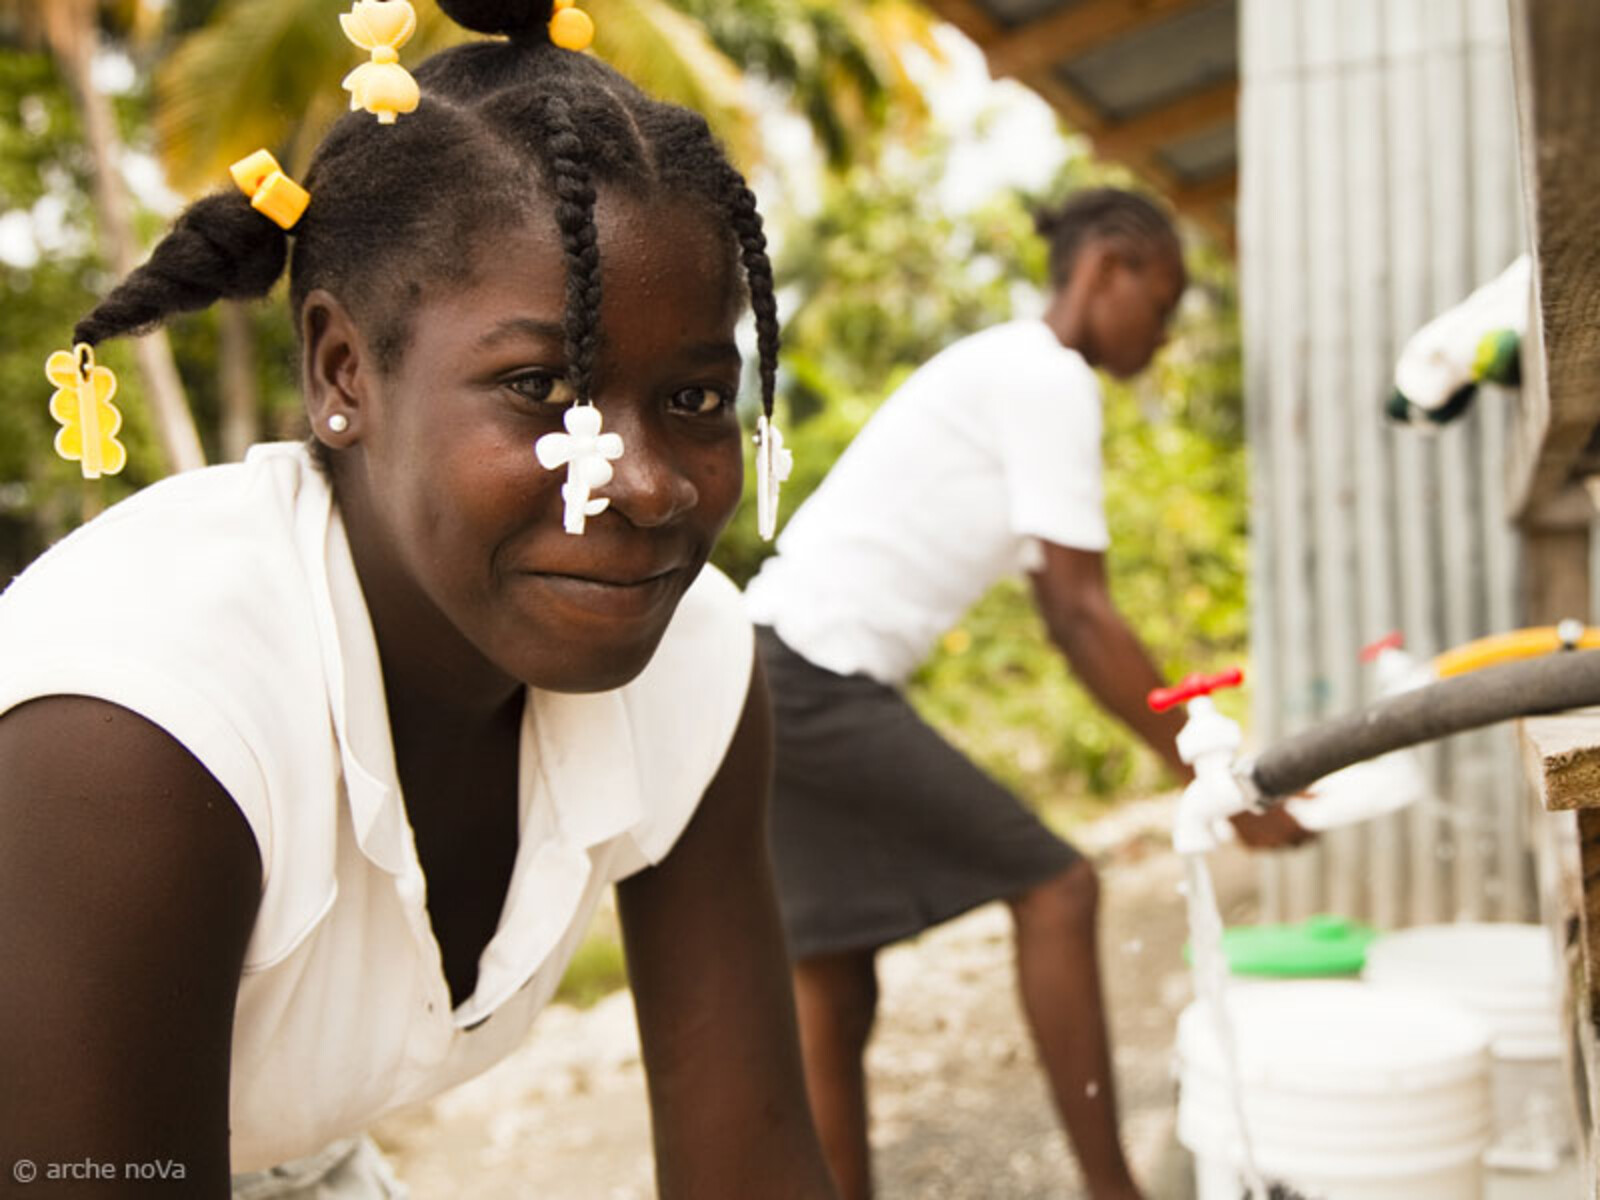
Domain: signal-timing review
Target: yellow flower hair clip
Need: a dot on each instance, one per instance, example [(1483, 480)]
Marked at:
[(82, 404), (382, 86), (570, 27)]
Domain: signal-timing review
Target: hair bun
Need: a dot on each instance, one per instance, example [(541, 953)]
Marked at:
[(515, 18)]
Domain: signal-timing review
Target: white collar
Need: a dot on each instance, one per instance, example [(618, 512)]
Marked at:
[(578, 782)]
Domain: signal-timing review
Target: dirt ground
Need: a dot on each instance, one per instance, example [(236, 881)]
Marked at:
[(960, 1111)]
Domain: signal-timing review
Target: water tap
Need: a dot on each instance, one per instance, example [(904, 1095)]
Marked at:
[(1208, 742)]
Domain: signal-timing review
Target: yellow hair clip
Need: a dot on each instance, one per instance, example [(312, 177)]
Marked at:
[(382, 86), (271, 192), (570, 27), (82, 404)]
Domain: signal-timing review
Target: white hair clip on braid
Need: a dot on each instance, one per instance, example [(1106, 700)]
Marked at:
[(587, 454)]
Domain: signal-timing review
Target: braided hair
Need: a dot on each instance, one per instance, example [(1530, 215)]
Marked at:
[(392, 207), (1104, 213)]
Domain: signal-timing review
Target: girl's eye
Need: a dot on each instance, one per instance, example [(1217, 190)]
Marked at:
[(700, 401), (543, 389)]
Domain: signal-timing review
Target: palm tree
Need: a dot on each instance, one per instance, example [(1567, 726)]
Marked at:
[(842, 65), (70, 28)]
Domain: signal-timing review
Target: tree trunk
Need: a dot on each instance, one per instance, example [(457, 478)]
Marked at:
[(70, 28), (241, 410)]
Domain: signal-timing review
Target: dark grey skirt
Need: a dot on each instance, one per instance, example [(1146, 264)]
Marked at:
[(881, 828)]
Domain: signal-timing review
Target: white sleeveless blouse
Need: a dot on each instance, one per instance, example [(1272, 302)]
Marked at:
[(223, 606)]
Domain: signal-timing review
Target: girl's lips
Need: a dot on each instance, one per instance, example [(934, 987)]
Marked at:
[(603, 598)]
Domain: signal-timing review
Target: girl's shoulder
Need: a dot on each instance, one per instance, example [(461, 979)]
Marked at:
[(187, 536), (189, 605), (204, 568)]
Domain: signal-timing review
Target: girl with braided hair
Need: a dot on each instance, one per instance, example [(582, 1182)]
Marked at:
[(984, 462), (314, 767)]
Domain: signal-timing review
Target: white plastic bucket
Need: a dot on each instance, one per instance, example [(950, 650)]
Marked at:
[(1348, 1093), (1506, 974)]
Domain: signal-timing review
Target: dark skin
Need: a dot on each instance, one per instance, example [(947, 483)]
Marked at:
[(130, 879), (1114, 309)]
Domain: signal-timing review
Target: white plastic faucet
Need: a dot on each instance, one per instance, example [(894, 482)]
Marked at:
[(1208, 742)]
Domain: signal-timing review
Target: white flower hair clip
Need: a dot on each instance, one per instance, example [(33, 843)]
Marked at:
[(587, 454), (773, 465)]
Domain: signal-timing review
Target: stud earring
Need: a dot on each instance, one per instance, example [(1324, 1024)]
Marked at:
[(587, 455), (338, 423)]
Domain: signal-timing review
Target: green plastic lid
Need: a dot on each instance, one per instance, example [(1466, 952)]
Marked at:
[(1320, 945)]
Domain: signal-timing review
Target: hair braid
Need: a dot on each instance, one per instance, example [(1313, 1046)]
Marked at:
[(687, 155), (220, 248), (747, 225), (575, 199)]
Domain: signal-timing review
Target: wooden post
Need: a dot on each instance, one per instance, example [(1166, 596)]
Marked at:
[(1558, 110)]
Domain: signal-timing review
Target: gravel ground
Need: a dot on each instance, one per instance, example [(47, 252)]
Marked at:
[(960, 1110)]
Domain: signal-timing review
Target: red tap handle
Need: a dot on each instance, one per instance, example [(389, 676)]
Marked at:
[(1191, 686), (1392, 642)]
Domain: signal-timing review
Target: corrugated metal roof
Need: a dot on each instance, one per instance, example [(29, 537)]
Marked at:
[(1154, 83)]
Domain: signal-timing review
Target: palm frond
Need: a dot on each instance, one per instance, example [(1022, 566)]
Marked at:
[(670, 56), (263, 73)]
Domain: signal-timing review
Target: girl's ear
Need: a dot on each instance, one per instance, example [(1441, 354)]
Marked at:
[(336, 365)]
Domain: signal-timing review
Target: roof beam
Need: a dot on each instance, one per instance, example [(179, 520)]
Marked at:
[(1204, 204), (1074, 31), (970, 17), (1169, 123), (1078, 112), (1208, 193)]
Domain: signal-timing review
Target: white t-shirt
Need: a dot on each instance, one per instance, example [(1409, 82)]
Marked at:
[(223, 606), (991, 444)]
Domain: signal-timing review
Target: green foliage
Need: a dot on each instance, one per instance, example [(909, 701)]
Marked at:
[(878, 280), (596, 970), (871, 285), (831, 60), (44, 168), (884, 277)]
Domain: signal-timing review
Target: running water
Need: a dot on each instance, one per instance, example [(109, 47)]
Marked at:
[(1210, 967)]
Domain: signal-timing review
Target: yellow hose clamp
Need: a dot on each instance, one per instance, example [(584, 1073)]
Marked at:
[(570, 27), (382, 87), (271, 192)]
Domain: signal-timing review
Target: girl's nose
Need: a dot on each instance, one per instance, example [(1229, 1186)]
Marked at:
[(648, 485)]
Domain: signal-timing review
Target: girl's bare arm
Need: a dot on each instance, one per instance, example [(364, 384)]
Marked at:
[(129, 882), (716, 1007)]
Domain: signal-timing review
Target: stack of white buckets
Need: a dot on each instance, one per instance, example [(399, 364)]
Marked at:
[(1439, 1077)]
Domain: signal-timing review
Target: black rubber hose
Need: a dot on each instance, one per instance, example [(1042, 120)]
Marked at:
[(1518, 689)]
